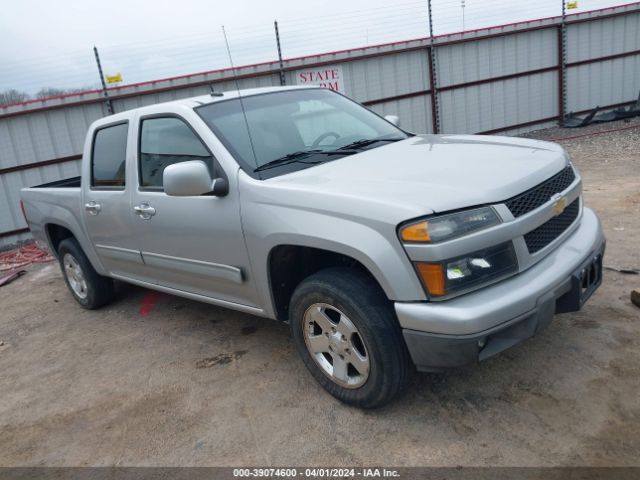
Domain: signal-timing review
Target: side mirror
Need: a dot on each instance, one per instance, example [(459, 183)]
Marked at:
[(393, 119), (192, 179)]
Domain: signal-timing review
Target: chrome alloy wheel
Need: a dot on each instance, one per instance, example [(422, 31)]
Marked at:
[(336, 345), (74, 275)]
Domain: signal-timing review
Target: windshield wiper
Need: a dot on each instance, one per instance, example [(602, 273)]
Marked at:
[(366, 142), (297, 157)]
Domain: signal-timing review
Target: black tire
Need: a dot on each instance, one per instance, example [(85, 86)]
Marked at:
[(99, 290), (360, 298)]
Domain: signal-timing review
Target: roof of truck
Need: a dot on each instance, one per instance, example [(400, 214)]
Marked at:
[(229, 94), (199, 100), (226, 95)]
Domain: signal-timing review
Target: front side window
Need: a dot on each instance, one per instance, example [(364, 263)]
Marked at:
[(294, 128), (165, 141), (108, 158)]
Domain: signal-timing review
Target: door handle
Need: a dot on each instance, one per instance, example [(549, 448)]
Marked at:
[(93, 208), (144, 211)]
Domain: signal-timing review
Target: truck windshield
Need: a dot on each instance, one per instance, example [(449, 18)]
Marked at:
[(295, 129)]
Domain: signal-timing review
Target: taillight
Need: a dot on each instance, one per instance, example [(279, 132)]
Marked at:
[(24, 214)]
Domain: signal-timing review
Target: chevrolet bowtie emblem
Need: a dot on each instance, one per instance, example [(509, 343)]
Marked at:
[(559, 205)]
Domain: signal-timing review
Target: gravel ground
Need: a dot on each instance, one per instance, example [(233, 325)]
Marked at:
[(158, 380)]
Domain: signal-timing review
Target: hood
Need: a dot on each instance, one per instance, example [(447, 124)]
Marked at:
[(433, 173)]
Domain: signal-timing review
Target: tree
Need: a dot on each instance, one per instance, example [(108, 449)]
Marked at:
[(46, 92), (13, 96)]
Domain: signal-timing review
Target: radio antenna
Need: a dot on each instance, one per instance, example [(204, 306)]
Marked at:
[(244, 113)]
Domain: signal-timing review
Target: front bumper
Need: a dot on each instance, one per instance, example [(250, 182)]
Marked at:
[(481, 324)]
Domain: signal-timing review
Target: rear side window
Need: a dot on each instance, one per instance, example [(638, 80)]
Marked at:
[(165, 141), (108, 158)]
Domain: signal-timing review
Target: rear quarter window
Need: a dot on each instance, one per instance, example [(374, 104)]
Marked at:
[(108, 157)]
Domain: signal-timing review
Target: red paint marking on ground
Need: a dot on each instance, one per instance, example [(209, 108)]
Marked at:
[(148, 302)]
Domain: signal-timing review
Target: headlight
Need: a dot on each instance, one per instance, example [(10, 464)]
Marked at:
[(467, 272), (446, 227)]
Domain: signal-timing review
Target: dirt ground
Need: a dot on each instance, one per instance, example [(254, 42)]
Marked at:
[(159, 380)]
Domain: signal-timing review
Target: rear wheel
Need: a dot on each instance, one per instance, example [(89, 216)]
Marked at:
[(90, 289), (348, 336)]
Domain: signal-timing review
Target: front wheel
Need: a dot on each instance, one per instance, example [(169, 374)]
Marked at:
[(348, 336)]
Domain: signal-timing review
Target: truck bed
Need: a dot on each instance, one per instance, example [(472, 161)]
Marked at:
[(56, 202)]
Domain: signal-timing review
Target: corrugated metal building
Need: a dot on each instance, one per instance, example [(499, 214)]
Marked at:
[(500, 79)]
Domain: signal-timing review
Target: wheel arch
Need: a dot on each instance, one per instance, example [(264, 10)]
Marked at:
[(56, 233), (289, 264)]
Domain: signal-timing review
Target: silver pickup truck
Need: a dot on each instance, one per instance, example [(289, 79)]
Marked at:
[(384, 250)]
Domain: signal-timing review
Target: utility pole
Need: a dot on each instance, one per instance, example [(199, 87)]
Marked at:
[(107, 101), (462, 5), (282, 79), (433, 79), (562, 94)]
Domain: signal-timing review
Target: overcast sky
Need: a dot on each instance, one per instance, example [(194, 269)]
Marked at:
[(49, 43)]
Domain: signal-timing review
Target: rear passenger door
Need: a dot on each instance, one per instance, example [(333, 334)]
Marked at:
[(192, 244), (106, 200)]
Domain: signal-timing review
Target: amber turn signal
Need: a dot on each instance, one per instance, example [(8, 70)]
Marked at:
[(432, 276), (416, 232)]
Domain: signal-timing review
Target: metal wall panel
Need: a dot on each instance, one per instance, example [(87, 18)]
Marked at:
[(414, 113), (11, 183), (603, 83), (499, 104), (495, 57), (387, 76), (45, 135), (604, 37), (9, 242)]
